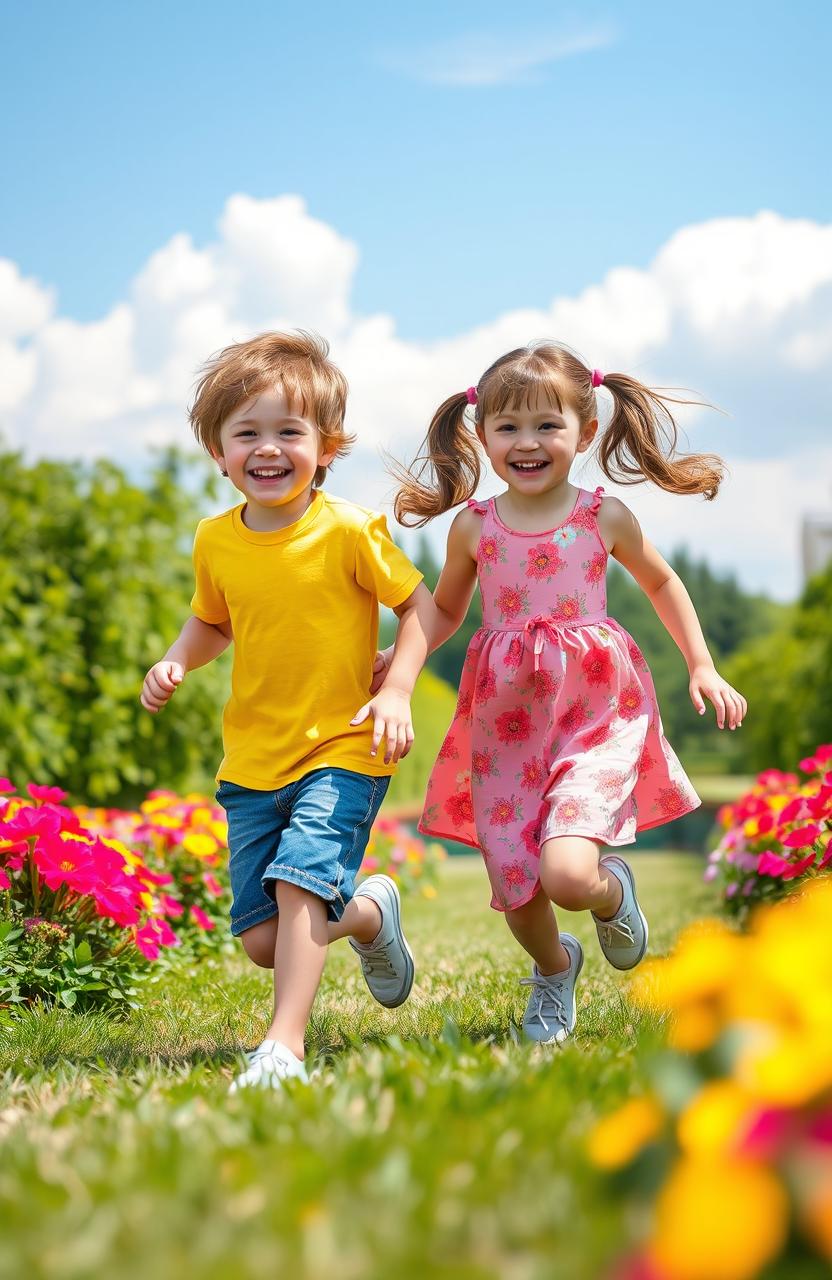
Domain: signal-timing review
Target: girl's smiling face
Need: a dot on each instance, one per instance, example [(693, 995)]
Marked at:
[(532, 447), (271, 453)]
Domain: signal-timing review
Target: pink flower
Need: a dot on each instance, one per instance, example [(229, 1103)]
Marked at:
[(6, 786), (803, 836), (534, 774), (205, 922), (515, 874), (117, 903), (596, 567), (66, 862), (571, 811), (212, 884), (52, 795), (147, 941), (30, 822), (771, 864), (510, 601), (171, 906), (482, 764), (5, 882), (504, 811)]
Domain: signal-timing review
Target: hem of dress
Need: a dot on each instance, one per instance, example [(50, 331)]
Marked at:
[(670, 817), (515, 906), (446, 835)]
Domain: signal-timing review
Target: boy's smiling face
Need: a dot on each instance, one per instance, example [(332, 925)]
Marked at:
[(271, 453)]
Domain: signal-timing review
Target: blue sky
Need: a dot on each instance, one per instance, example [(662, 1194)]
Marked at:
[(428, 186), (130, 123)]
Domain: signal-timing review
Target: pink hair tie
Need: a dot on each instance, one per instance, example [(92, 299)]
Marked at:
[(471, 395), (597, 378)]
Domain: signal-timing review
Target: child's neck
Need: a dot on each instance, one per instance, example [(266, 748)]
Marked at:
[(530, 512), (262, 519)]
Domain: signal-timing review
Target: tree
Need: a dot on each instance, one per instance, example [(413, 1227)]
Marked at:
[(95, 581)]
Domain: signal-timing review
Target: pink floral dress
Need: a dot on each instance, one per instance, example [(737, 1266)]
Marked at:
[(557, 730)]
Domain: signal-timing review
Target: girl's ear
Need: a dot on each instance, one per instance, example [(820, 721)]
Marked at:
[(588, 431)]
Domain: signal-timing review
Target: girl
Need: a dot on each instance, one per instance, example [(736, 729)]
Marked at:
[(556, 750)]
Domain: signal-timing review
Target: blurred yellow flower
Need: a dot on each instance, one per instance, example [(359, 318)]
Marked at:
[(718, 1219), (713, 1122), (201, 846), (618, 1138)]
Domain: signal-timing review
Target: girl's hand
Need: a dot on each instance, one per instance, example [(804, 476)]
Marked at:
[(381, 666), (730, 706), (390, 709), (160, 684)]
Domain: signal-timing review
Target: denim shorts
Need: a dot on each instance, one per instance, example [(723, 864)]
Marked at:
[(312, 832)]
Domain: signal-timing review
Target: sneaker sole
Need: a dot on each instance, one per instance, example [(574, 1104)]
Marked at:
[(410, 971), (621, 865)]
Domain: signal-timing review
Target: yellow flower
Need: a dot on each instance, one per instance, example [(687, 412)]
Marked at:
[(786, 1068), (618, 1138), (751, 827), (201, 817), (219, 830), (200, 846), (718, 1219), (428, 891), (714, 1121)]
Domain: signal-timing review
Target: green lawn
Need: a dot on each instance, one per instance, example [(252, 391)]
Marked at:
[(430, 1143)]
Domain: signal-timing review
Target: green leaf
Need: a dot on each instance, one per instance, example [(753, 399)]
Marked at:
[(83, 953), (68, 997)]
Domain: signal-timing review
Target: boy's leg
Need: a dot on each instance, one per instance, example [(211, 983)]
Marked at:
[(361, 920), (299, 957)]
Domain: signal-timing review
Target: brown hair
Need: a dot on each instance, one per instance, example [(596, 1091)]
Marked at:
[(298, 362), (638, 443)]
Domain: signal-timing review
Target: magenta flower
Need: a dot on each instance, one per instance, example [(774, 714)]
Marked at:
[(213, 885), (803, 836), (171, 906), (204, 921), (6, 786), (5, 882), (30, 822), (117, 903), (66, 862), (50, 795)]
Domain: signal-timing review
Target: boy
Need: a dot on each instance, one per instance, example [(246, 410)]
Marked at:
[(294, 576)]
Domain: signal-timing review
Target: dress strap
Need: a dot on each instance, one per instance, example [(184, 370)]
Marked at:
[(596, 500), (481, 508)]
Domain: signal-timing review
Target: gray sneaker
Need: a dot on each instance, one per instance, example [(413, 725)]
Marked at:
[(623, 938), (386, 962), (269, 1065), (550, 1012)]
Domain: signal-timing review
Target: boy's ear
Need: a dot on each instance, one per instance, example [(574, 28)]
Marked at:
[(219, 459), (588, 432)]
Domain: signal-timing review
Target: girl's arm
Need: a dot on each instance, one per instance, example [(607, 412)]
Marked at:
[(666, 592), (453, 590), (197, 643)]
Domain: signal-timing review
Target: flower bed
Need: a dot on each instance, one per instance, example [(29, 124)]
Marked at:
[(736, 1139), (777, 834), (91, 899)]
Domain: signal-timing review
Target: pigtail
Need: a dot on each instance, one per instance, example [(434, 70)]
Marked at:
[(639, 442), (446, 472)]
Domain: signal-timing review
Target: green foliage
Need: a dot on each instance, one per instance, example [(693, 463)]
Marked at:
[(786, 677), (95, 582), (433, 706), (44, 960)]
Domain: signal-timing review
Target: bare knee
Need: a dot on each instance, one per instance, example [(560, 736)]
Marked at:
[(570, 887), (258, 943)]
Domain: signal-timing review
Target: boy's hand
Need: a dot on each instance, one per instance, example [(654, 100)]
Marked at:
[(160, 683), (390, 709), (731, 707), (381, 666)]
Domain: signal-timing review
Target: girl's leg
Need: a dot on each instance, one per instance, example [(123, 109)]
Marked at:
[(361, 920), (573, 877), (535, 928)]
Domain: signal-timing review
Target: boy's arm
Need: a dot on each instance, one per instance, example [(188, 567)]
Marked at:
[(390, 707), (197, 644)]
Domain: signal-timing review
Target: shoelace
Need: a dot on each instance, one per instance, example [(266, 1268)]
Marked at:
[(617, 930), (376, 963), (543, 994)]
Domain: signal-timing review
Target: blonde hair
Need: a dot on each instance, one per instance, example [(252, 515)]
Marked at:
[(298, 362), (638, 443)]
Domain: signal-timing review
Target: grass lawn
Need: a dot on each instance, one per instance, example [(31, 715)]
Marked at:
[(430, 1144)]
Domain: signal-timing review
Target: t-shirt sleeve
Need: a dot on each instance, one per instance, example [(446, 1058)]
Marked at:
[(380, 567), (208, 602)]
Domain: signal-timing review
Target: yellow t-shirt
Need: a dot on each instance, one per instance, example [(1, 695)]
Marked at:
[(303, 606)]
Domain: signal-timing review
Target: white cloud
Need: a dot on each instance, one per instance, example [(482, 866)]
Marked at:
[(486, 58), (738, 308)]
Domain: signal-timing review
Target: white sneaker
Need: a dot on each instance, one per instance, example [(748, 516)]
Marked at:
[(550, 1014), (270, 1064), (386, 962), (623, 939)]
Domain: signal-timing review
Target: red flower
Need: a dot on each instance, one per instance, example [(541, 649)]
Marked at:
[(514, 654), (530, 835), (515, 875), (486, 685), (543, 560), (645, 761), (66, 862), (5, 882), (503, 812), (802, 837), (636, 656), (571, 811), (597, 666), (203, 921), (672, 799), (574, 717), (448, 750), (545, 683), (597, 736), (463, 706), (596, 567), (482, 764), (511, 600), (460, 808), (514, 726), (535, 774), (569, 607), (629, 701), (116, 902)]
